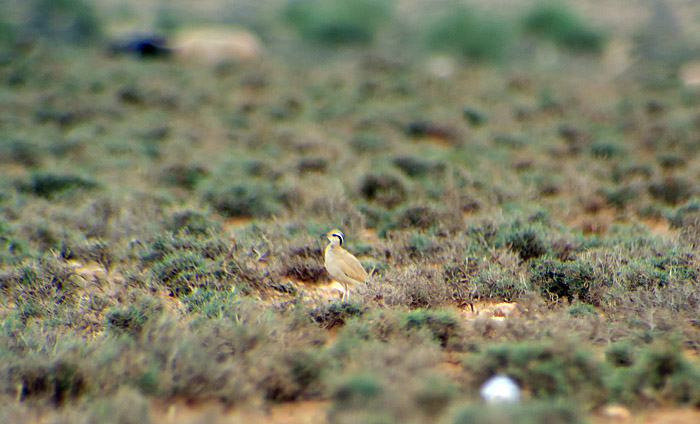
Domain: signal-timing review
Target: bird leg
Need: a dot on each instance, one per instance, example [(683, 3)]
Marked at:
[(346, 293)]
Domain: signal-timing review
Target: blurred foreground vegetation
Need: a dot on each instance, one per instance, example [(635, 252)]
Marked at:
[(160, 219)]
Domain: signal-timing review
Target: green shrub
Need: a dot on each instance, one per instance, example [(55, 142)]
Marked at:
[(192, 222), (184, 176), (416, 217), (59, 380), (336, 22), (474, 35), (211, 303), (127, 406), (672, 190), (606, 150), (556, 23), (45, 184), (442, 325), (662, 373), (434, 396), (334, 314), (252, 200), (74, 21), (570, 280), (41, 288), (531, 412), (620, 197), (621, 354), (552, 369), (385, 189), (367, 143), (180, 271), (356, 391), (527, 245), (132, 319), (22, 152), (416, 167)]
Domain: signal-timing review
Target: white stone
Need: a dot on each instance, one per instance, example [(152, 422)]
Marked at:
[(500, 389)]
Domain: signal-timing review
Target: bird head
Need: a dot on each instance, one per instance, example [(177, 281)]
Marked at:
[(336, 237)]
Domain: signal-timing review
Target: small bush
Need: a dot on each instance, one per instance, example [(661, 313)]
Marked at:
[(527, 245), (132, 319), (40, 288), (312, 164), (356, 392), (49, 184), (496, 282), (570, 280), (606, 150), (673, 190), (620, 355), (337, 22), (305, 264), (367, 143), (661, 373), (193, 222), (23, 152), (531, 412), (416, 167), (434, 396), (127, 406), (60, 380), (252, 200), (416, 217), (180, 271), (74, 21), (620, 197), (384, 189), (184, 176), (475, 117), (441, 325), (556, 23), (548, 369), (476, 36), (334, 314)]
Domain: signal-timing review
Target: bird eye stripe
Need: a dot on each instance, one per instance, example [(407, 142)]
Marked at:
[(340, 237)]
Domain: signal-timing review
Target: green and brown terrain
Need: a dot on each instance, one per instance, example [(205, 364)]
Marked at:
[(523, 179)]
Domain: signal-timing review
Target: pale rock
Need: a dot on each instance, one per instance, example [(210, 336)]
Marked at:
[(500, 389), (616, 412)]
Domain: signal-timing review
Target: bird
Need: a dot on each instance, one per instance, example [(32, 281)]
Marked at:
[(341, 264)]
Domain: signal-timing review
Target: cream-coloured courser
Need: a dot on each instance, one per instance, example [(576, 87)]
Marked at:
[(341, 264)]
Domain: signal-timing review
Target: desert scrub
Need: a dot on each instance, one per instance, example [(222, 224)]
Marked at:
[(41, 288), (569, 280), (530, 412), (45, 184), (550, 370), (415, 167), (441, 325), (249, 200), (193, 222), (659, 373), (384, 189), (183, 261), (73, 21), (556, 23), (338, 22), (132, 319), (474, 34), (185, 176)]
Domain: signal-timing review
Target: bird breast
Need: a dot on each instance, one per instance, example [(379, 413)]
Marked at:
[(340, 265)]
